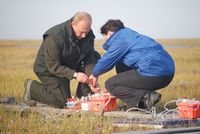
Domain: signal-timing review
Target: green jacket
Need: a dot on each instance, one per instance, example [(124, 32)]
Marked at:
[(61, 54)]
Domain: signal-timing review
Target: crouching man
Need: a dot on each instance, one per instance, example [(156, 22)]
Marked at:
[(66, 53)]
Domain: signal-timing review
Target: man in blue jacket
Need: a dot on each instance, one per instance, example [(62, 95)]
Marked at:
[(142, 66)]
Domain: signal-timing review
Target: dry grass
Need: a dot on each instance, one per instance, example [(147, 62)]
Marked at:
[(186, 82), (179, 41), (16, 65)]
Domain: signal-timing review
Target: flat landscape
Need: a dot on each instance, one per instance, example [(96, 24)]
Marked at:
[(16, 61)]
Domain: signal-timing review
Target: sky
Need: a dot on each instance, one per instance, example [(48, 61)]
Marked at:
[(29, 19)]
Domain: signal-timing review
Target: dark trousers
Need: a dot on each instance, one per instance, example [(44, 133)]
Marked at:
[(54, 91), (130, 87)]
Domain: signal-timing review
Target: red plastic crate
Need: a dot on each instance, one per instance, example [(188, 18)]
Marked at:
[(100, 103), (189, 109)]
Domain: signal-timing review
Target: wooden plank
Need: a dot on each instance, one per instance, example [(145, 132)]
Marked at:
[(10, 104), (44, 111), (154, 126), (129, 115), (190, 130), (50, 110)]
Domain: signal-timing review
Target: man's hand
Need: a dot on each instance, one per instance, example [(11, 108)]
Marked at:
[(82, 77), (92, 81), (95, 89)]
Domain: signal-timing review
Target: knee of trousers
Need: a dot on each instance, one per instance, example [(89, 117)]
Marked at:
[(109, 86)]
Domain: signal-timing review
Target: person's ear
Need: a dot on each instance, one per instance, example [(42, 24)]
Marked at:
[(109, 33), (72, 23)]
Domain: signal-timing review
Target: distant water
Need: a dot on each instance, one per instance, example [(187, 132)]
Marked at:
[(19, 46), (27, 46), (99, 46)]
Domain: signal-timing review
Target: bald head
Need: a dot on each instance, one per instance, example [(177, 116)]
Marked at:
[(79, 16), (81, 24)]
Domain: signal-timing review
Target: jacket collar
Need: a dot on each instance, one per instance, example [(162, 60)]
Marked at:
[(108, 42), (69, 31)]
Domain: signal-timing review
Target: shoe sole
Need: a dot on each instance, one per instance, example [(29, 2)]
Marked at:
[(153, 100), (25, 89), (158, 97)]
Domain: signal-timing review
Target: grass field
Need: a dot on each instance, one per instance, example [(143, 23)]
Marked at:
[(17, 59)]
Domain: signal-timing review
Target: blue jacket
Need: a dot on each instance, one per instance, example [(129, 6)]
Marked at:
[(135, 50)]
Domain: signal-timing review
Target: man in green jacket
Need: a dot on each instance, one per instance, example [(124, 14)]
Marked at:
[(67, 52)]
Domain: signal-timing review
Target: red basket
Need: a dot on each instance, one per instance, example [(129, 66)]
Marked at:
[(106, 103), (189, 110)]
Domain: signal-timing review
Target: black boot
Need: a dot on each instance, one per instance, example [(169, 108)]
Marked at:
[(149, 100)]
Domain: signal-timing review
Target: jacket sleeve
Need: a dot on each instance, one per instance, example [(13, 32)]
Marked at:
[(53, 53), (114, 54), (91, 59)]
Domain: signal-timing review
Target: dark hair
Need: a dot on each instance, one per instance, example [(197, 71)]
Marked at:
[(112, 25)]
